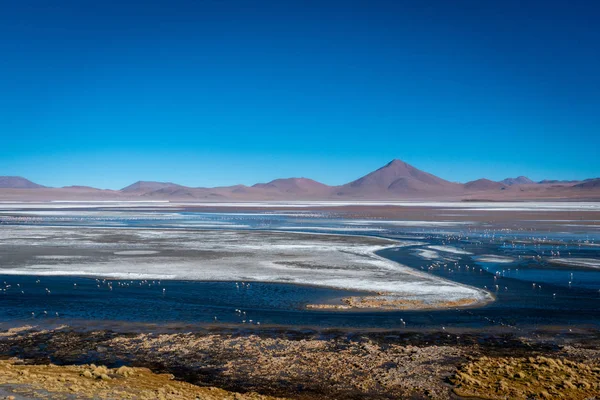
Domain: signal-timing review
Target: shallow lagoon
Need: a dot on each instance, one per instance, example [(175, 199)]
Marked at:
[(519, 304)]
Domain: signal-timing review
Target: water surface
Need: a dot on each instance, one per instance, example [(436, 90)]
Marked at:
[(530, 292)]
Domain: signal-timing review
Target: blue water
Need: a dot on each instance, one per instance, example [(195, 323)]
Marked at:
[(519, 304)]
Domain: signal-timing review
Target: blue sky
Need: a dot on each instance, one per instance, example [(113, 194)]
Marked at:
[(220, 92)]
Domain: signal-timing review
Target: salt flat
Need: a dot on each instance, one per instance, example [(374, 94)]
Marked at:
[(164, 204), (336, 261)]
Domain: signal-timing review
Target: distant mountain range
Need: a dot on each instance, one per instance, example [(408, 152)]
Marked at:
[(16, 182), (396, 180)]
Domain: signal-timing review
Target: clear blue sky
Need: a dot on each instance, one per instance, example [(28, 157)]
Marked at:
[(219, 92)]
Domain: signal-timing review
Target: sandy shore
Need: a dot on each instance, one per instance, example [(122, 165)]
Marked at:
[(384, 301)]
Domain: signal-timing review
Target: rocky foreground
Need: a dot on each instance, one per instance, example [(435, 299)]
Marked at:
[(308, 365)]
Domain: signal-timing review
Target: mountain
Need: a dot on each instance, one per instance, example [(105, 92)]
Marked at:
[(80, 187), (397, 178), (149, 186), (588, 184), (484, 184), (173, 191), (294, 186), (17, 182), (520, 180)]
